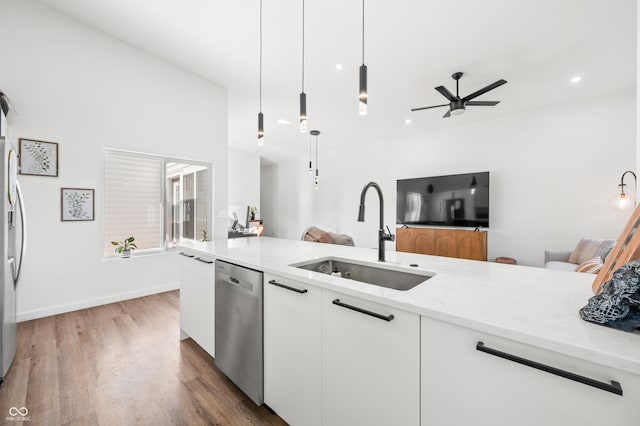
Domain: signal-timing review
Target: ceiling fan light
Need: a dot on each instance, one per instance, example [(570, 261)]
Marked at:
[(458, 111)]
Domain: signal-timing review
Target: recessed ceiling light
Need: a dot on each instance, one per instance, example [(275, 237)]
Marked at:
[(338, 66), (283, 122), (407, 121), (576, 79)]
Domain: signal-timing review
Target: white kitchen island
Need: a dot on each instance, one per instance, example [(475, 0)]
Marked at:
[(441, 376)]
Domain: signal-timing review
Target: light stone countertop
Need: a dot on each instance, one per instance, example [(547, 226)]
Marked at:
[(530, 305)]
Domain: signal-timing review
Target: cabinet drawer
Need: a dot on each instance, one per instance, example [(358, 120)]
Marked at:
[(470, 377)]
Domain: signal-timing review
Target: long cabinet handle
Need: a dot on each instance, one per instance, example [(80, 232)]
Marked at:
[(203, 260), (185, 254), (363, 311), (613, 387), (297, 290)]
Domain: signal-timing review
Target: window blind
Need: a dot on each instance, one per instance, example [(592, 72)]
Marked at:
[(133, 199)]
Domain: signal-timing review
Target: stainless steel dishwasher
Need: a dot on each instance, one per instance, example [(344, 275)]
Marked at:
[(238, 328)]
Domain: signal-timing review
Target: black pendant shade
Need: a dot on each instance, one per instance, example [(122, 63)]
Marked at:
[(362, 98), (303, 112)]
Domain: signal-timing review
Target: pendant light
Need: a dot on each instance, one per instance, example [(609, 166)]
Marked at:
[(303, 96), (260, 116), (310, 166), (316, 133), (362, 99)]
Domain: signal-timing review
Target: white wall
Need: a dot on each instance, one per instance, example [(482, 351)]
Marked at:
[(73, 85), (552, 173), (244, 178)]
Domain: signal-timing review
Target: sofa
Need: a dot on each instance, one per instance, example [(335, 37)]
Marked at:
[(587, 256)]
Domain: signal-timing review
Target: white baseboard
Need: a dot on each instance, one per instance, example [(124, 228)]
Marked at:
[(61, 309)]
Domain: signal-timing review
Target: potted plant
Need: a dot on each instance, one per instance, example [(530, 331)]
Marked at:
[(123, 248)]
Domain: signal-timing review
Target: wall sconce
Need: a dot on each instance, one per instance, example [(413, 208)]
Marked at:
[(624, 200)]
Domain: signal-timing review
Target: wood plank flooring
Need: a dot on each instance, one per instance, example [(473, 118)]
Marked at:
[(121, 364)]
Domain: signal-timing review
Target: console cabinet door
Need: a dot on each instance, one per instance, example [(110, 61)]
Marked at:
[(197, 299), (292, 350), (370, 366), (462, 385)]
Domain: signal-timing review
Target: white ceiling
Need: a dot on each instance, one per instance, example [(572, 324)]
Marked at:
[(411, 46)]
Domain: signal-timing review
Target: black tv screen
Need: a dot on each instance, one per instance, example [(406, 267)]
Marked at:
[(453, 200)]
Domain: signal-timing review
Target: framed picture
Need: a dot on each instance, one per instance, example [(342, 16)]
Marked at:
[(38, 158), (76, 204)]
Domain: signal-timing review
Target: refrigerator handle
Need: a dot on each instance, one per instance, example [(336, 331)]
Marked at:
[(23, 234)]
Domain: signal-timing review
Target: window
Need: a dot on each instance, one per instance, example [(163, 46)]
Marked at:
[(187, 202), (159, 201)]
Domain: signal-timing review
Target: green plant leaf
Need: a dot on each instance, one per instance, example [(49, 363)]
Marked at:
[(115, 243)]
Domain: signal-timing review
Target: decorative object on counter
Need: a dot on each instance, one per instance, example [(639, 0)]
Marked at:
[(618, 305), (76, 204), (317, 235), (253, 211), (626, 249), (363, 96), (507, 260), (315, 133), (39, 158), (123, 248), (205, 236), (260, 116), (622, 200)]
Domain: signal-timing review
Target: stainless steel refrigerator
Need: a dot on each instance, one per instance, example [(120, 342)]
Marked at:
[(12, 246)]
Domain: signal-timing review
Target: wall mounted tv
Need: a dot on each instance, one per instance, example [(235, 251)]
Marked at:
[(453, 200)]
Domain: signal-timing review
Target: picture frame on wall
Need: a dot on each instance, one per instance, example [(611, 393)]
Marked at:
[(77, 204), (38, 158)]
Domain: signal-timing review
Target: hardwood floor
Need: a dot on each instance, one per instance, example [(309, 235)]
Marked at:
[(121, 364)]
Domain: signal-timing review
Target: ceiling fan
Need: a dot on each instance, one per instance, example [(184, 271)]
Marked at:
[(457, 105)]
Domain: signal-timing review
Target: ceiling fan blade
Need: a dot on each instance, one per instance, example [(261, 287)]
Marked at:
[(429, 107), (482, 103), (484, 90), (446, 93), (447, 114)]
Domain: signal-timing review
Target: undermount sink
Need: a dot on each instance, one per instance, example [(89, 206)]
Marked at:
[(388, 277)]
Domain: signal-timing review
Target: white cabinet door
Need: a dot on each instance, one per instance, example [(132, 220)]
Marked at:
[(292, 350), (197, 299), (370, 363), (464, 383)]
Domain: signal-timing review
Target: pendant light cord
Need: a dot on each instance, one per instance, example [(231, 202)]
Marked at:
[(302, 46), (260, 55), (362, 32)]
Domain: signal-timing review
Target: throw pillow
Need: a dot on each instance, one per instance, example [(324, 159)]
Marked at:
[(591, 266), (588, 248)]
